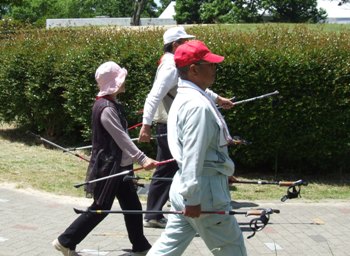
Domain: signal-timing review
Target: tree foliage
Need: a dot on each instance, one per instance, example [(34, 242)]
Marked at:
[(296, 11), (37, 11), (215, 11), (248, 11), (164, 4), (93, 8), (187, 11), (218, 11)]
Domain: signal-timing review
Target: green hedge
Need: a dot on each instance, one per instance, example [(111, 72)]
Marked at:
[(47, 83)]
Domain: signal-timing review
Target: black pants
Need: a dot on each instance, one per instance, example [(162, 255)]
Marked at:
[(128, 199), (158, 193)]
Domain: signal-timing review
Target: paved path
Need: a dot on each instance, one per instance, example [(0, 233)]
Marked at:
[(30, 220)]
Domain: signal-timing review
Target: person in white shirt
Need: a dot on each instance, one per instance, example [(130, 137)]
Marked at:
[(156, 110), (198, 137)]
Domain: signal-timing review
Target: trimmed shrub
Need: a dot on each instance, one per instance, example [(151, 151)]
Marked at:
[(47, 80)]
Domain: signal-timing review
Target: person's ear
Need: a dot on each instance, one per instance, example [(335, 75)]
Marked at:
[(194, 69), (175, 45)]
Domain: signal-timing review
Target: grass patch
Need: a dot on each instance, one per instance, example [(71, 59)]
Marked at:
[(26, 162)]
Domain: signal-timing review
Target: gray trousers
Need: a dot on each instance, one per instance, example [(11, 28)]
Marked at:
[(221, 233)]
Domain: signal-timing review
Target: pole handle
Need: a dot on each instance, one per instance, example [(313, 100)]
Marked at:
[(286, 183), (293, 183), (258, 212)]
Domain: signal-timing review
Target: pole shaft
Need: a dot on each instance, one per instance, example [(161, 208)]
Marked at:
[(259, 182), (165, 212), (255, 98), (110, 176), (133, 139), (134, 126), (120, 174), (60, 147)]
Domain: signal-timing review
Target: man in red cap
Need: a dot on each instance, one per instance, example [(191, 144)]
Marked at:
[(198, 137)]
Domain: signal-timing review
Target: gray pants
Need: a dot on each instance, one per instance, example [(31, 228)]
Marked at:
[(221, 233)]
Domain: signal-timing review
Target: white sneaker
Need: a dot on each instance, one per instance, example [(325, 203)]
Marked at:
[(155, 223), (65, 251)]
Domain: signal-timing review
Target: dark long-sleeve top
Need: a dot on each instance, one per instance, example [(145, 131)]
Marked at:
[(130, 152)]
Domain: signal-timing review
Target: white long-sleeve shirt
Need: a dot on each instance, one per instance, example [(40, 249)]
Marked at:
[(163, 92), (194, 141)]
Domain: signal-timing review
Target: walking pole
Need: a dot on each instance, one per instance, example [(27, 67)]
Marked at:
[(58, 146), (252, 212), (134, 126), (293, 191), (128, 177), (80, 148), (259, 182), (153, 137), (256, 224), (133, 139), (255, 98), (279, 183), (120, 174)]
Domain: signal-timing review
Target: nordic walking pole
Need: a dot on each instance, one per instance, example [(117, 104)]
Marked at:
[(134, 126), (120, 174), (128, 177), (279, 183), (58, 146), (253, 212), (256, 224), (80, 148), (133, 139), (153, 137), (259, 182), (293, 191), (256, 98)]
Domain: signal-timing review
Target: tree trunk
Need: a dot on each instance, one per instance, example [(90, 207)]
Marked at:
[(138, 8)]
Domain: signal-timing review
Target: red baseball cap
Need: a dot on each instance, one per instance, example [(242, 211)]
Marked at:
[(193, 51)]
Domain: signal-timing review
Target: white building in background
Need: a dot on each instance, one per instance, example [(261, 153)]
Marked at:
[(166, 18), (105, 21), (336, 13), (169, 12)]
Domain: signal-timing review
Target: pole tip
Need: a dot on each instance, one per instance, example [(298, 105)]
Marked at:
[(77, 211), (79, 185)]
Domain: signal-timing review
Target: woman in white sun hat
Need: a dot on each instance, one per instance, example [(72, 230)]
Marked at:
[(112, 152)]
